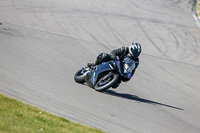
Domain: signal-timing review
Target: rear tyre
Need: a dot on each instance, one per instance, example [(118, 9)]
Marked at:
[(79, 77), (103, 85)]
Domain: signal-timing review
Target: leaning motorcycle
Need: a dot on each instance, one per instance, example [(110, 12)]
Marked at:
[(108, 74)]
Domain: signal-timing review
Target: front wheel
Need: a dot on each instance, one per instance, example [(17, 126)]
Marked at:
[(79, 77), (105, 83)]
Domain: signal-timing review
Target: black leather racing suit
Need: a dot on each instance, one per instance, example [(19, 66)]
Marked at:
[(121, 53)]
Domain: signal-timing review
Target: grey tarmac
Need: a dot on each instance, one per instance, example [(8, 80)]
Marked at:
[(43, 43)]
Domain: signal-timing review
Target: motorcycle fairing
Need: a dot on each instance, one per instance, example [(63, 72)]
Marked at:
[(105, 66), (124, 68)]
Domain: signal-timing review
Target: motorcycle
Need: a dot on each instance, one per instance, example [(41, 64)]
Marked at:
[(108, 74)]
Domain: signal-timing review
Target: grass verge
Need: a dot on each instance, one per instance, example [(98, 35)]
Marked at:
[(198, 9), (17, 117)]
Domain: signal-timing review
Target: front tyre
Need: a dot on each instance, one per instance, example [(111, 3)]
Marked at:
[(105, 83), (79, 77)]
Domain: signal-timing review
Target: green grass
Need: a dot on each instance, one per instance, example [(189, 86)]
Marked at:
[(17, 117), (198, 9)]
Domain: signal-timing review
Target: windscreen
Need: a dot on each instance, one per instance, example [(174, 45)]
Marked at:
[(129, 65)]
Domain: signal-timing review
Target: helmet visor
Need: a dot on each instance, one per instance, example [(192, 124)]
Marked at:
[(134, 52)]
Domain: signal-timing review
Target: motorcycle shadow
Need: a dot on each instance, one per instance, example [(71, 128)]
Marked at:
[(136, 98)]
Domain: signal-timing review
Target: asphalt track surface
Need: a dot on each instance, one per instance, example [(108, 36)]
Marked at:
[(43, 43)]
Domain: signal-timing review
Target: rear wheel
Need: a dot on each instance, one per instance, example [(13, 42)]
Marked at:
[(105, 83), (79, 77)]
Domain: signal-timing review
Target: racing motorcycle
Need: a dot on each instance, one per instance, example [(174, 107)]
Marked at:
[(108, 74)]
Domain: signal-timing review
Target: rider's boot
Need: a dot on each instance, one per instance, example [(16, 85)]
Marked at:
[(90, 65)]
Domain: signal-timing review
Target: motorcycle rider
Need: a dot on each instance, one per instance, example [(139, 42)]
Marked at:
[(133, 52)]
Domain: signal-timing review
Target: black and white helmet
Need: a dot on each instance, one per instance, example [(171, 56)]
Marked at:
[(135, 49)]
